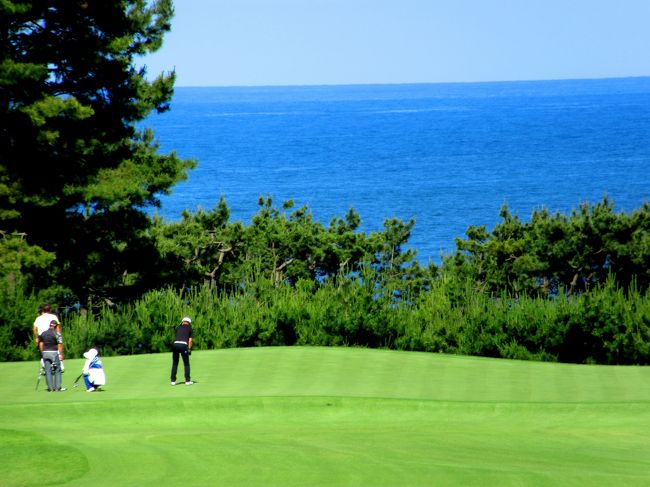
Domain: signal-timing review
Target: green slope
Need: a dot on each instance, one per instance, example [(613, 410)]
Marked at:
[(329, 416)]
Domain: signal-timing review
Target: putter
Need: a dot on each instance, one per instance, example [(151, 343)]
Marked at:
[(76, 381), (38, 379)]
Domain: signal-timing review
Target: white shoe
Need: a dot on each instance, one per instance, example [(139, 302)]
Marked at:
[(189, 382), (92, 389), (173, 383)]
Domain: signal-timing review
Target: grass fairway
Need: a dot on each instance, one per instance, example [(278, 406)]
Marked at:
[(329, 416)]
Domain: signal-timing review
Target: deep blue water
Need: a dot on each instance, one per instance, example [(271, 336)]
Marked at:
[(448, 155)]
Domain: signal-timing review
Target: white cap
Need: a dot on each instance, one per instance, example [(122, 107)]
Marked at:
[(188, 319), (91, 354)]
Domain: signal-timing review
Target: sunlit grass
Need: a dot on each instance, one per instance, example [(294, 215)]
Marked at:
[(329, 416)]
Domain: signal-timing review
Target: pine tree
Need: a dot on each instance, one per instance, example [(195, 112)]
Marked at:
[(76, 171)]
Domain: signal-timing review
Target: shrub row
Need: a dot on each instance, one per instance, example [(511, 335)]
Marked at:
[(605, 326)]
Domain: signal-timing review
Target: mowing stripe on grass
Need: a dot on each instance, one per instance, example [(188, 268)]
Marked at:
[(334, 416)]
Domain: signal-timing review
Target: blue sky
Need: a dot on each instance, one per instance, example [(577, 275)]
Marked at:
[(307, 42)]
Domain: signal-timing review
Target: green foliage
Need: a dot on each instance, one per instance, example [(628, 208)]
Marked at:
[(607, 325), (21, 267), (285, 245), (17, 314), (555, 251), (198, 248), (75, 173), (287, 280), (613, 328), (20, 260), (18, 310)]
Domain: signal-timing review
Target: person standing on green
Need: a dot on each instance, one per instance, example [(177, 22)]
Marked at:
[(51, 345), (42, 323), (182, 347)]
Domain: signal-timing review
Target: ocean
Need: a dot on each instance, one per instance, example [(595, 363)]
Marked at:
[(447, 155)]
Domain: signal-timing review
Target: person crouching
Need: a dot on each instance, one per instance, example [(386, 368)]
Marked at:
[(93, 371)]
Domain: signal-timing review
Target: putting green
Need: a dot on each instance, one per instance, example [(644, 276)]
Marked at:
[(329, 416)]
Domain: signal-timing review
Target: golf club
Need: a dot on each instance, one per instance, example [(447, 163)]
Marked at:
[(41, 373), (76, 381)]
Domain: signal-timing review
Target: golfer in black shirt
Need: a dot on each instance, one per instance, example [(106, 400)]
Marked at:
[(182, 347), (51, 345)]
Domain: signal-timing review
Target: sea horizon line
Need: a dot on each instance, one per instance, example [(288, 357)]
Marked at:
[(419, 83)]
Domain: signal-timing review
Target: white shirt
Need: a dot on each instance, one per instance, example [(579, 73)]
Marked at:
[(42, 323), (95, 375)]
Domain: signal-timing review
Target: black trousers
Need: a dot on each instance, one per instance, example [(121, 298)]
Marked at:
[(180, 349)]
